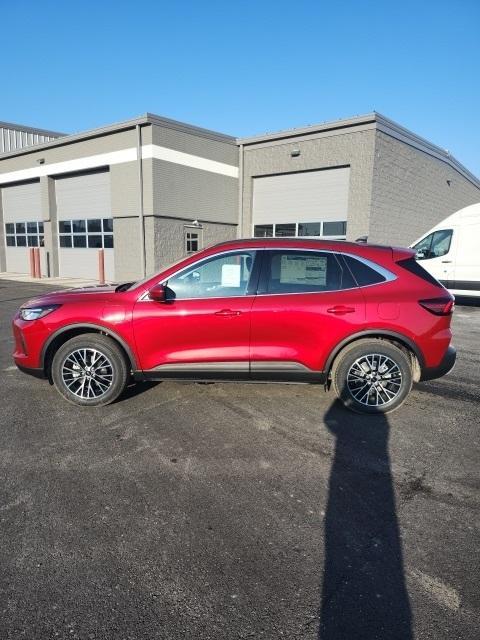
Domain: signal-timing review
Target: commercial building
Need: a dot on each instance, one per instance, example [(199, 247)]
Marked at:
[(150, 190)]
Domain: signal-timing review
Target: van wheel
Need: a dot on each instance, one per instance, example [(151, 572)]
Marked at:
[(372, 376), (90, 370)]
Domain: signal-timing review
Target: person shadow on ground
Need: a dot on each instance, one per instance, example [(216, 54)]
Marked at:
[(364, 595)]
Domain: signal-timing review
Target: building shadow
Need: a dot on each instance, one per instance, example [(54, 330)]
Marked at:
[(364, 595)]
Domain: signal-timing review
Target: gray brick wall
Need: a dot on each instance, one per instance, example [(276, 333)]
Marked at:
[(166, 239), (355, 149), (410, 192)]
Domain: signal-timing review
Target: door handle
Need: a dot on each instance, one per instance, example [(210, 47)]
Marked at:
[(340, 310), (227, 313), (446, 261)]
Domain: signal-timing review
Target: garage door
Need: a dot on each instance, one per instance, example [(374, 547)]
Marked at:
[(85, 224), (309, 203), (22, 215)]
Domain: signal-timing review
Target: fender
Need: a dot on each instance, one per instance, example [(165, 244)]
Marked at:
[(378, 333), (88, 325)]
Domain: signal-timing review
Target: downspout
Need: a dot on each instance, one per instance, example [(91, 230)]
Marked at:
[(141, 211), (240, 194)]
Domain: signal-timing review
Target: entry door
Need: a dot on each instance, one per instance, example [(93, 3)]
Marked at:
[(203, 329), (306, 304)]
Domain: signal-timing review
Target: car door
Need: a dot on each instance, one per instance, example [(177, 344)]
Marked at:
[(437, 254), (307, 302), (203, 327)]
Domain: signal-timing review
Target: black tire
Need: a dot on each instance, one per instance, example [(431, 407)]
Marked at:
[(352, 377), (105, 383)]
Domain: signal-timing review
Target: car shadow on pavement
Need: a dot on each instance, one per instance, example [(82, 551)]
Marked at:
[(364, 595)]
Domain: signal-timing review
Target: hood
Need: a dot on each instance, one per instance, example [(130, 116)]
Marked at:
[(72, 295)]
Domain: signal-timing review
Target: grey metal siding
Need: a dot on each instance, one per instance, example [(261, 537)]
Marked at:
[(193, 194), (196, 145), (301, 197)]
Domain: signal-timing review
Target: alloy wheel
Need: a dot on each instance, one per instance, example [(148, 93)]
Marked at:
[(87, 373), (374, 380)]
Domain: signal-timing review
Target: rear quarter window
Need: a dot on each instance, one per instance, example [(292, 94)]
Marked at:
[(363, 274)]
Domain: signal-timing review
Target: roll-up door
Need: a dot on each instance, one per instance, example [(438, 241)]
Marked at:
[(85, 224), (23, 225), (309, 203)]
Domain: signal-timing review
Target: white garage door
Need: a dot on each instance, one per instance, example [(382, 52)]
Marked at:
[(22, 214), (85, 224), (309, 203)]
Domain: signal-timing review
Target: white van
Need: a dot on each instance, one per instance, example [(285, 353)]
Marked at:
[(451, 251)]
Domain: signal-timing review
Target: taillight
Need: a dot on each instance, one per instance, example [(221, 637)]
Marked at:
[(442, 306)]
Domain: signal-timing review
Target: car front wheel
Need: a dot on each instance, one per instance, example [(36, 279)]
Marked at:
[(372, 376), (90, 370)]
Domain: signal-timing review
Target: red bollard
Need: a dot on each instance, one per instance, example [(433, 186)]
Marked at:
[(38, 268), (31, 257), (101, 266)]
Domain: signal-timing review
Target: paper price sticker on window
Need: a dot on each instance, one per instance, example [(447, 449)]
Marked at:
[(231, 275), (303, 270)]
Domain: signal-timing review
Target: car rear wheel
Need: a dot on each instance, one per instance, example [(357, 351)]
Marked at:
[(372, 376), (90, 370)]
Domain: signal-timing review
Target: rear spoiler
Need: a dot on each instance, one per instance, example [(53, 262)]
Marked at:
[(402, 253)]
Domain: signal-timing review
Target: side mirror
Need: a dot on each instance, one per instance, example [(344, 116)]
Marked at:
[(158, 293)]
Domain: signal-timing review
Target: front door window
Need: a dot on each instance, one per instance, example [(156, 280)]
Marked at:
[(219, 277)]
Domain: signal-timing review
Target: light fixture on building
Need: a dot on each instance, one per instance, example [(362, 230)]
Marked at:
[(295, 153), (449, 182), (40, 160), (195, 223)]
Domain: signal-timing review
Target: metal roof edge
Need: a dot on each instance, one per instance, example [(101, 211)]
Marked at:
[(21, 127), (190, 128), (147, 118), (300, 131)]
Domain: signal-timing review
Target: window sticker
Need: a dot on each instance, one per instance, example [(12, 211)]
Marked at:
[(301, 270), (231, 275)]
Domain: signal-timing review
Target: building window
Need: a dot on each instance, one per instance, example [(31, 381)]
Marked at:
[(263, 231), (285, 230), (24, 234), (309, 228), (193, 239), (302, 229), (93, 233), (334, 228)]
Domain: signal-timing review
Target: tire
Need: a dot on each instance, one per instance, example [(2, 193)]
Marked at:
[(85, 386), (372, 376)]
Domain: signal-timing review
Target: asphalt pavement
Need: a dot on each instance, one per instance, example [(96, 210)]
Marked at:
[(225, 511)]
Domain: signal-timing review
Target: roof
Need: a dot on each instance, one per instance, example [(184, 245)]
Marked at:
[(145, 119), (21, 127), (369, 121)]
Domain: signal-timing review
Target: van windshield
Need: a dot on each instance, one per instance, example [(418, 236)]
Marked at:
[(435, 245)]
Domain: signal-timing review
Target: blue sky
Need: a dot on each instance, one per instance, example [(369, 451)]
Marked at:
[(245, 67)]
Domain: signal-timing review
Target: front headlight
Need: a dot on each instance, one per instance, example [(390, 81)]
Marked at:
[(34, 313)]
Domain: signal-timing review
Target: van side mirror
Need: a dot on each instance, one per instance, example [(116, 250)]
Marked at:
[(158, 293)]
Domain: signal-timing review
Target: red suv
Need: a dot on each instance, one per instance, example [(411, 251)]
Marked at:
[(367, 320)]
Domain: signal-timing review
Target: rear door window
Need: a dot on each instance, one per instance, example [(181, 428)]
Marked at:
[(303, 272)]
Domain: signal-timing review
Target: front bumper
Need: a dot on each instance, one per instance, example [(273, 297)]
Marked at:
[(445, 366)]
